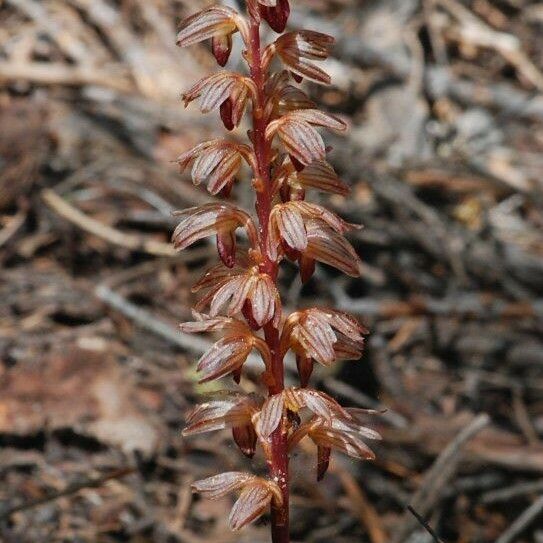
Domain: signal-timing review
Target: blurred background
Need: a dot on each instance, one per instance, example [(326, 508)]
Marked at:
[(445, 162)]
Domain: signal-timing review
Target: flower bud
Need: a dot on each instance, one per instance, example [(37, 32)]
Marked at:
[(226, 114), (221, 46), (276, 16)]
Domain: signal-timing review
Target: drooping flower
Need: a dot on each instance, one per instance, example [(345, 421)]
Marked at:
[(318, 175), (217, 23), (220, 219), (256, 495), (283, 97), (225, 90), (345, 435), (287, 225), (294, 400), (323, 336), (326, 245), (235, 411), (245, 290), (296, 132), (229, 353), (297, 49), (216, 161)]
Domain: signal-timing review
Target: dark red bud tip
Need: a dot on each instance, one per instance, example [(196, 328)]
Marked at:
[(221, 47), (323, 461), (296, 163), (294, 418), (236, 375), (245, 438), (226, 190), (284, 192), (277, 16), (226, 247), (305, 369), (307, 268), (292, 254), (226, 114), (297, 195), (247, 311)]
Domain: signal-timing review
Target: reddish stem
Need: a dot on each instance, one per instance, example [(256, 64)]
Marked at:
[(278, 462)]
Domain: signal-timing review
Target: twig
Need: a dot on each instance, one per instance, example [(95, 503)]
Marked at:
[(505, 494), (105, 232), (91, 482), (56, 73), (46, 21), (461, 305), (424, 524), (151, 322), (361, 506), (437, 476), (522, 522), (474, 31), (12, 227), (160, 327)]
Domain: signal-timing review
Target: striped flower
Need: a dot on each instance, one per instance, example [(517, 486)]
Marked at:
[(226, 91), (298, 49), (221, 220), (255, 497), (217, 23)]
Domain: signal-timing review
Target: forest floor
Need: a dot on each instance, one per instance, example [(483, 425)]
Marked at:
[(445, 155)]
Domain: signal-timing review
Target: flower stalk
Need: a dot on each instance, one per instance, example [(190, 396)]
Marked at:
[(287, 157)]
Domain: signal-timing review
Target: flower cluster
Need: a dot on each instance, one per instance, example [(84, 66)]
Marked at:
[(239, 297)]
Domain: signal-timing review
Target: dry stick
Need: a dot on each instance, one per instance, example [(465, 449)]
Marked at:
[(505, 494), (46, 21), (56, 73), (12, 226), (90, 482), (361, 506), (424, 524), (105, 232), (160, 327), (152, 323), (462, 305), (437, 476), (522, 522)]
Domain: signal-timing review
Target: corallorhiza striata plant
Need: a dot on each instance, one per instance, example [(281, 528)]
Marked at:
[(287, 156)]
